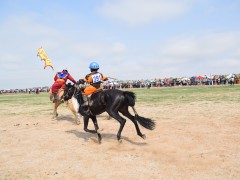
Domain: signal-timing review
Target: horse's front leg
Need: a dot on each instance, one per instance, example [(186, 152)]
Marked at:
[(86, 120), (71, 107), (55, 106), (94, 120)]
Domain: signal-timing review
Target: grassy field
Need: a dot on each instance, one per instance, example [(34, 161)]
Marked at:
[(188, 94), (30, 104), (39, 103), (153, 95)]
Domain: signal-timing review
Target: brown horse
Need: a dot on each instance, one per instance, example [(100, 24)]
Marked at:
[(59, 101)]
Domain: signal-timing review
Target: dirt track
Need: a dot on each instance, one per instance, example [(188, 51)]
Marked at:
[(193, 141)]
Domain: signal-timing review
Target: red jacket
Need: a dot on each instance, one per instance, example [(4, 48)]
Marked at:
[(60, 81), (63, 77)]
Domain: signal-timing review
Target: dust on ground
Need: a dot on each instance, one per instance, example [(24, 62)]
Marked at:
[(191, 141)]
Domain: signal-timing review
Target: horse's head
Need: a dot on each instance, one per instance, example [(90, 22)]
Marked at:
[(73, 90), (80, 85), (68, 92)]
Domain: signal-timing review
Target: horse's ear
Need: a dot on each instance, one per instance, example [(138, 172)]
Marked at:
[(69, 85), (80, 81)]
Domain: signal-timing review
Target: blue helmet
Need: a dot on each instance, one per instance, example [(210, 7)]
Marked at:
[(94, 65)]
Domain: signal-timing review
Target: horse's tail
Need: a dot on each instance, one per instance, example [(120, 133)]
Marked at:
[(145, 122)]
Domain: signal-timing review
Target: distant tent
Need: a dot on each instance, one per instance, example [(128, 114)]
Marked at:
[(185, 79), (199, 77), (230, 76)]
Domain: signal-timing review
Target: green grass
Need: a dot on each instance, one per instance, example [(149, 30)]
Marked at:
[(188, 94), (29, 99), (33, 104)]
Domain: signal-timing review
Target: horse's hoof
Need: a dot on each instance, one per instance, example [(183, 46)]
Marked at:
[(144, 136), (120, 141), (98, 131)]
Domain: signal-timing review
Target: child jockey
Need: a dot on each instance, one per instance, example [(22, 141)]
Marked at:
[(60, 83)]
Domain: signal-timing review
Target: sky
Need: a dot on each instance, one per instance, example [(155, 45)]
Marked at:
[(129, 39)]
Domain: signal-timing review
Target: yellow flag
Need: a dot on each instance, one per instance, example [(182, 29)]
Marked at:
[(44, 57)]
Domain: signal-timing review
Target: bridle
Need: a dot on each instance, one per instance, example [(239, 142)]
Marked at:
[(66, 95)]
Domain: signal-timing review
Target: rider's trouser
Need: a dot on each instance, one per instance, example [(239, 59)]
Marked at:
[(90, 89)]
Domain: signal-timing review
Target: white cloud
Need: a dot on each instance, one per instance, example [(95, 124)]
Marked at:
[(209, 53), (135, 12), (202, 47), (97, 49), (118, 48)]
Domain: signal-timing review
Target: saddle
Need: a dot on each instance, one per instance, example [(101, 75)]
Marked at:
[(87, 103), (86, 98)]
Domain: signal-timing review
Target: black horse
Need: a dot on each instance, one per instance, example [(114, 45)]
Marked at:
[(112, 101)]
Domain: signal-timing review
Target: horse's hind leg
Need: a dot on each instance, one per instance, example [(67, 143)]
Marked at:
[(121, 120), (126, 113)]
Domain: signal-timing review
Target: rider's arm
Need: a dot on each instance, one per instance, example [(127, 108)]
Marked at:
[(104, 78), (71, 78), (88, 78), (56, 77)]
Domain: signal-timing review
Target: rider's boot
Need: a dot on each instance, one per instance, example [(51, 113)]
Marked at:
[(84, 107), (85, 101), (54, 97)]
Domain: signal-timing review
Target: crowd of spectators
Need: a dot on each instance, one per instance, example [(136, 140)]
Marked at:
[(35, 90), (160, 82), (170, 82)]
